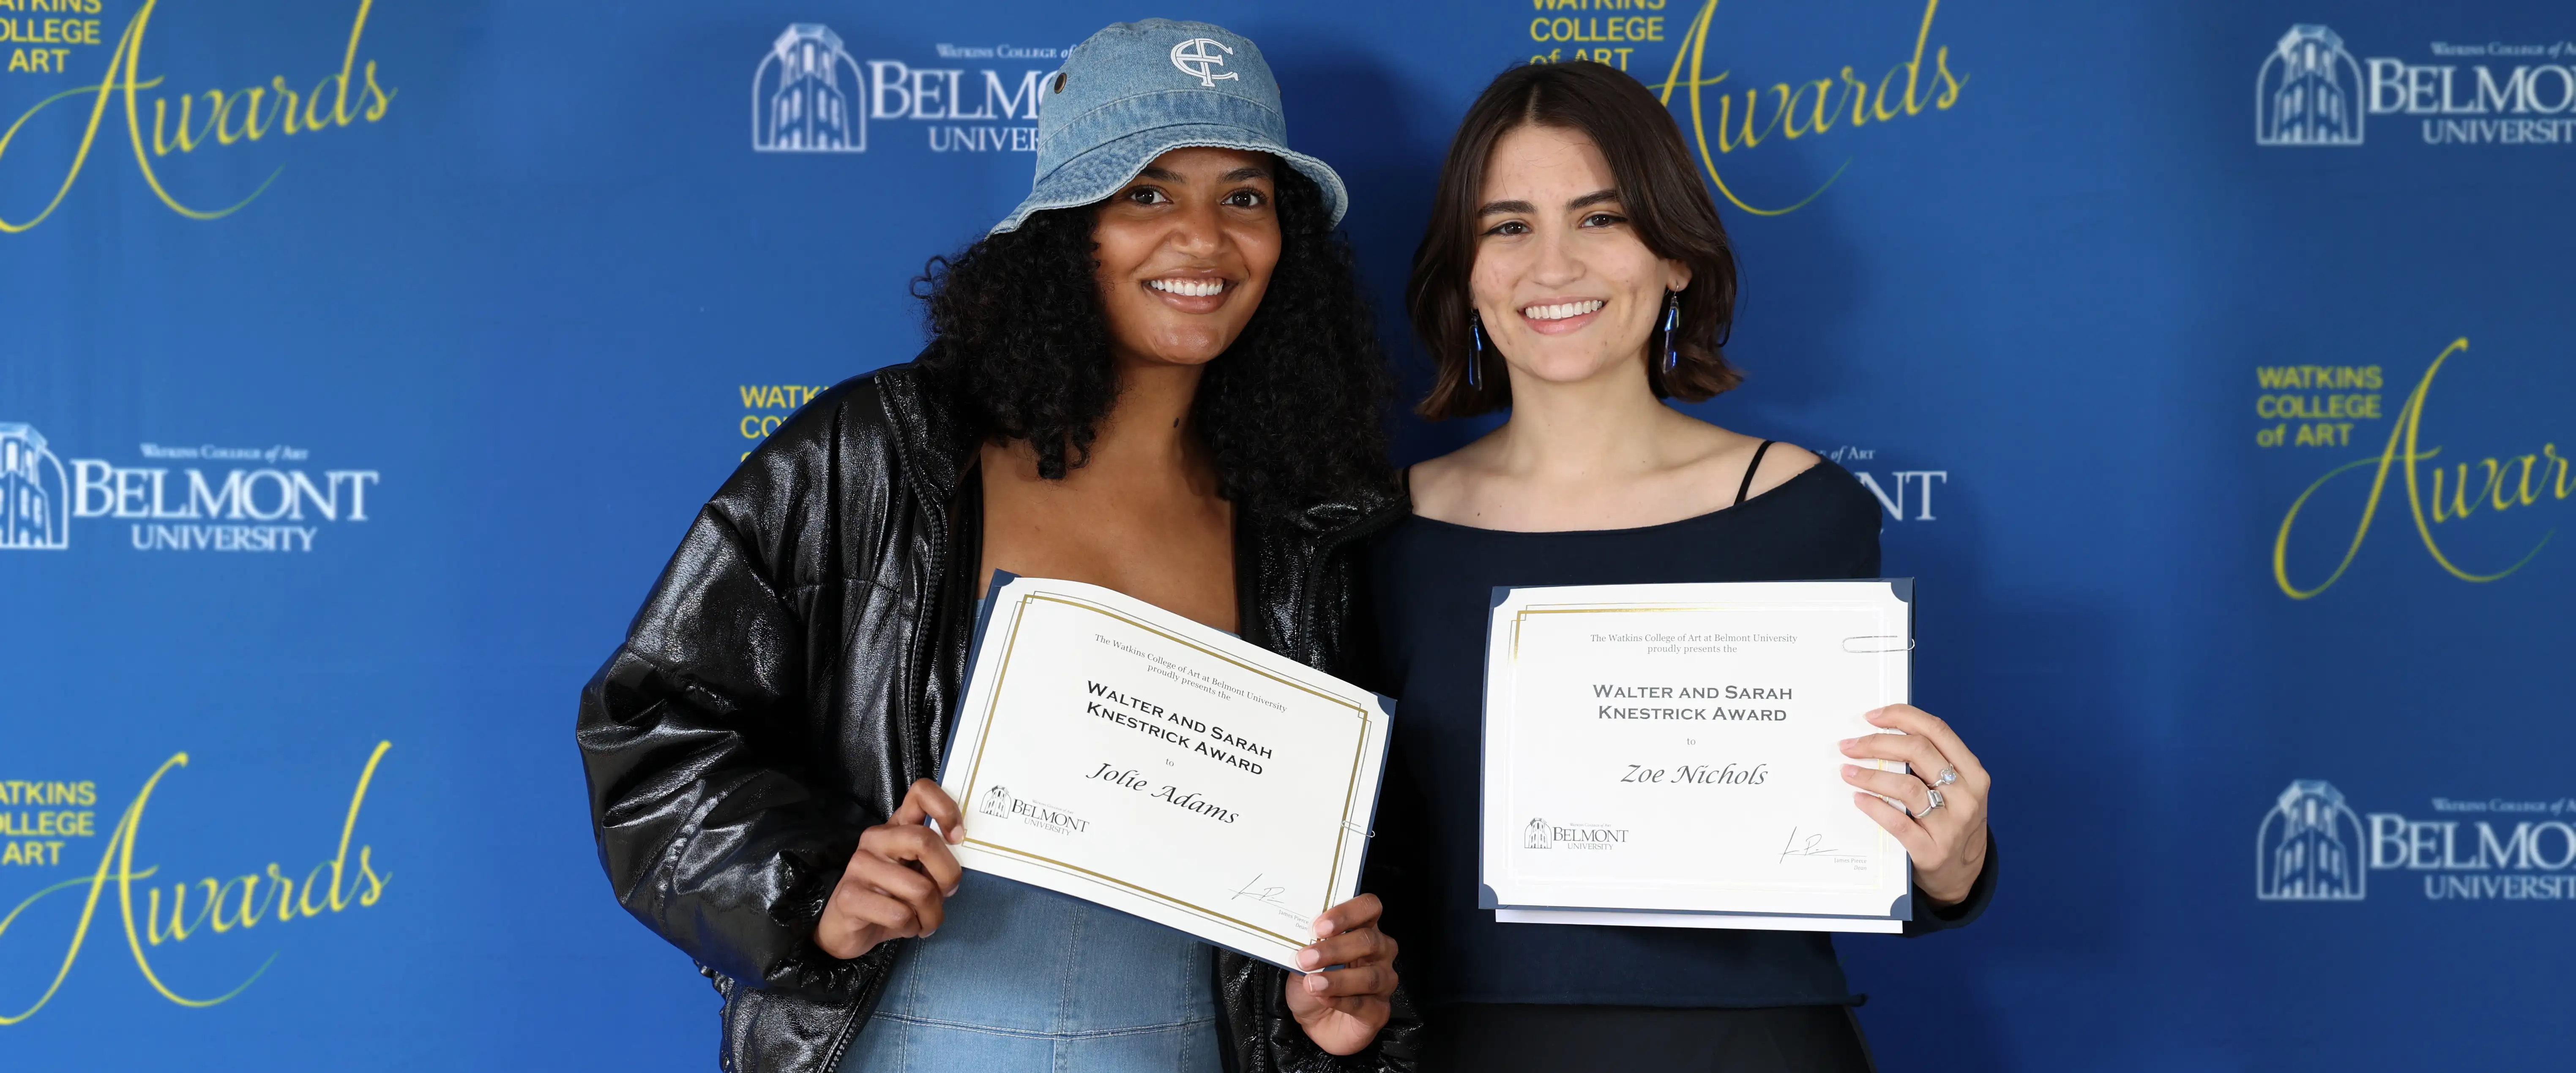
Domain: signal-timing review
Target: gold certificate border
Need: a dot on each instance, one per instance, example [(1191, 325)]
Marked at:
[(1350, 794)]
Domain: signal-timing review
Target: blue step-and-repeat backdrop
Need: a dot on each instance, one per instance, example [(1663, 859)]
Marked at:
[(361, 361)]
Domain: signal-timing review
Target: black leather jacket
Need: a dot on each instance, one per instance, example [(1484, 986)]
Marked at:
[(795, 670)]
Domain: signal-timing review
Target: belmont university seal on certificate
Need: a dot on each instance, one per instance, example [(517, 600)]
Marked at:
[(1667, 755), (1120, 753)]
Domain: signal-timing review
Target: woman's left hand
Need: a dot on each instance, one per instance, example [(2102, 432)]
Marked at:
[(1947, 841), (1342, 1009)]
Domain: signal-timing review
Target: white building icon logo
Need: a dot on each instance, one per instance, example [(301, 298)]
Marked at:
[(997, 802), (35, 503), (2309, 92), (1536, 837), (2310, 847), (808, 95)]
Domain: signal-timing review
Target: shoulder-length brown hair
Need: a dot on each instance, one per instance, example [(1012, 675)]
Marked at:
[(1658, 186)]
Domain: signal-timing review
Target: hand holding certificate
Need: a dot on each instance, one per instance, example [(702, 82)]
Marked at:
[(1669, 755), (1111, 750)]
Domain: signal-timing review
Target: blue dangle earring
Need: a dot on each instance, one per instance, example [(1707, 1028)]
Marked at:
[(1672, 320), (1476, 357)]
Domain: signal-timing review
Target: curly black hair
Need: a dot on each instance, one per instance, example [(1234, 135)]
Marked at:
[(1293, 413)]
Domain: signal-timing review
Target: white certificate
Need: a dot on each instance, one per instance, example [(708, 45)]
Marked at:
[(1120, 753), (1653, 752)]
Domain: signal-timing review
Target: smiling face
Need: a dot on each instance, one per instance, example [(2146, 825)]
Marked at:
[(1566, 289), (1185, 252)]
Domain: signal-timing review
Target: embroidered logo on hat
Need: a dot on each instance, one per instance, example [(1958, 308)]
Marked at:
[(1194, 59)]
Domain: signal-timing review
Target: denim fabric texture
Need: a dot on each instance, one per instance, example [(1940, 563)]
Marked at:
[(1020, 978), (1137, 90)]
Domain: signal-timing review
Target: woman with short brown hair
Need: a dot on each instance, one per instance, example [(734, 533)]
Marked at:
[(1575, 272)]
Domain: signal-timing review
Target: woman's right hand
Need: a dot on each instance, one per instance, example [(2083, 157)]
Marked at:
[(899, 879)]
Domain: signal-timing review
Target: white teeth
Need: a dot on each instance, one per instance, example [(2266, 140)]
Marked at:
[(1561, 310), (1189, 288)]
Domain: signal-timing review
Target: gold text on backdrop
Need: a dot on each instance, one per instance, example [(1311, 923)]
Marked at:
[(240, 903), (244, 115), (2507, 483), (1824, 101)]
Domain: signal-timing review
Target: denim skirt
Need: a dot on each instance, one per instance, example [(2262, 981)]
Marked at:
[(1020, 978)]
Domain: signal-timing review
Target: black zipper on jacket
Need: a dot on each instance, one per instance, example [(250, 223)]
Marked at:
[(941, 517), (1380, 519)]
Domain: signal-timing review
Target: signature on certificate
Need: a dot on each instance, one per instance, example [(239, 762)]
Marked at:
[(1269, 896), (1813, 847)]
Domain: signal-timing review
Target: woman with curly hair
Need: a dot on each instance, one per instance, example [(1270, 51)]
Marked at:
[(1155, 375)]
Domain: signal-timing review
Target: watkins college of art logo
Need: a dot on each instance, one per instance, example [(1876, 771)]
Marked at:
[(2309, 92), (2310, 848), (808, 95)]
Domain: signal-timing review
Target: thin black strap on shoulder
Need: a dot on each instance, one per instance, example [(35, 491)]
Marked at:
[(1742, 489)]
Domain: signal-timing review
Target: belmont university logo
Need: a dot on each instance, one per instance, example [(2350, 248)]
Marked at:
[(2314, 847), (998, 801), (1540, 834), (2311, 91), (2310, 847), (230, 499), (809, 94), (35, 507)]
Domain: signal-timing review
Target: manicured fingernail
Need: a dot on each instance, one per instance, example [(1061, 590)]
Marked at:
[(951, 892), (1851, 771), (931, 932), (1308, 958), (1323, 927), (1849, 742), (1315, 984)]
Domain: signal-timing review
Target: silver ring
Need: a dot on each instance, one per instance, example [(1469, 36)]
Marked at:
[(1937, 802), (1948, 775)]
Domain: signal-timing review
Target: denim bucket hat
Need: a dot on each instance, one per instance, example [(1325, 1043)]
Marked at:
[(1137, 90)]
